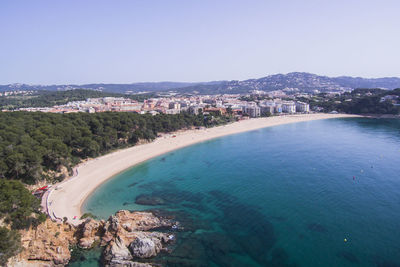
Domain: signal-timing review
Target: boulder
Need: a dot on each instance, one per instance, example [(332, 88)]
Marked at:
[(129, 264), (145, 247), (117, 252), (127, 237), (91, 230)]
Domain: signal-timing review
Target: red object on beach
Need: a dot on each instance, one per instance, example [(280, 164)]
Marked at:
[(42, 188)]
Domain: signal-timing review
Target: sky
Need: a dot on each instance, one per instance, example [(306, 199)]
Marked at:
[(125, 41)]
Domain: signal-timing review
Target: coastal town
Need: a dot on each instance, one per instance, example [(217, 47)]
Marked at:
[(235, 104)]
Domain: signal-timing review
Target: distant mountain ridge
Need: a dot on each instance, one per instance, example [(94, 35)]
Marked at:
[(303, 81), (115, 88)]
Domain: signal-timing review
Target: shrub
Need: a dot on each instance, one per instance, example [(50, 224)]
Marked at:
[(88, 215), (10, 244)]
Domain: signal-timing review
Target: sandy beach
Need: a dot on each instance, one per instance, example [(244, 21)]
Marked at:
[(66, 198)]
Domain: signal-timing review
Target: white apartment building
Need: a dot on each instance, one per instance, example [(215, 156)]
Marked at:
[(174, 105), (267, 109), (302, 107), (289, 107), (253, 111)]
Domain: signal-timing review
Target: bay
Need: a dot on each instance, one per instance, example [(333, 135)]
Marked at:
[(318, 193)]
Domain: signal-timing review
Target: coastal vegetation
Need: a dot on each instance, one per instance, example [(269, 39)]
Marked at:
[(37, 146), (9, 244), (19, 209), (358, 101), (88, 215)]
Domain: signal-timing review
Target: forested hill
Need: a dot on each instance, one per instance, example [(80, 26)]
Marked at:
[(112, 88), (52, 98), (359, 101), (115, 88), (305, 82), (301, 80), (36, 146)]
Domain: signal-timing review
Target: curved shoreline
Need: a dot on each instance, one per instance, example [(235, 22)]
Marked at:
[(66, 198)]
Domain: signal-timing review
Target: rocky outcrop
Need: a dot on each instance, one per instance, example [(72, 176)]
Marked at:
[(91, 232), (131, 264), (138, 245), (47, 245), (139, 221), (126, 236), (117, 252), (147, 245)]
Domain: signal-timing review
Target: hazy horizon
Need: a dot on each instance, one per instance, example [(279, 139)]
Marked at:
[(75, 42), (138, 82)]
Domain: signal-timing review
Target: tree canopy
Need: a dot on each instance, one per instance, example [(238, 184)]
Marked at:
[(18, 207), (51, 98), (359, 101), (36, 145), (10, 244)]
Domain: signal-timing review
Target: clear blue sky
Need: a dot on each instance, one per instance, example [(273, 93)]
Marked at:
[(58, 42)]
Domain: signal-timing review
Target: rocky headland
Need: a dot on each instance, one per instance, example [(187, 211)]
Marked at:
[(127, 237)]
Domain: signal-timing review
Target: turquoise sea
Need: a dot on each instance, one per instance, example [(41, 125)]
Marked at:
[(288, 195)]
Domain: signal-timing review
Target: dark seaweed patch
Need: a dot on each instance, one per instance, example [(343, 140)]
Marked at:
[(149, 200), (195, 206), (208, 163), (247, 226), (279, 258), (347, 255), (132, 184), (386, 263), (178, 196), (223, 197), (278, 218), (158, 185), (245, 232), (316, 227)]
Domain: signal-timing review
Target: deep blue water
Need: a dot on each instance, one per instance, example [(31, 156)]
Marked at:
[(282, 196)]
